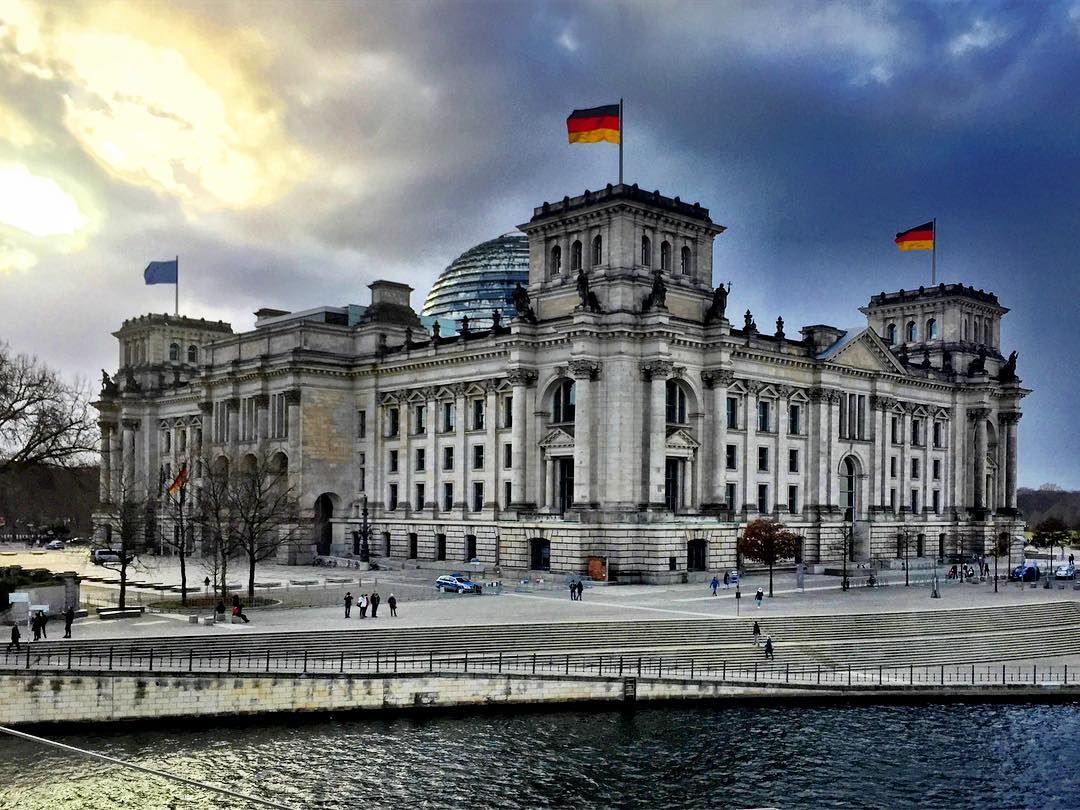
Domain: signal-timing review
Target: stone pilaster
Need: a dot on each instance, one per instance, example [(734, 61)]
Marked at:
[(715, 439), (656, 373), (1011, 420), (520, 379), (979, 417), (584, 373)]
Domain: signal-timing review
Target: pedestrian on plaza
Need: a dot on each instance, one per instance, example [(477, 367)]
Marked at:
[(391, 600), (375, 599), (759, 596), (714, 584), (220, 609), (573, 591), (348, 603), (580, 589), (69, 618), (15, 637), (35, 625), (727, 580), (769, 649), (757, 635), (362, 604), (238, 609), (44, 620)]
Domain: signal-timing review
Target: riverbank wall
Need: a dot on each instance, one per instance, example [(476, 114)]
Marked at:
[(86, 696)]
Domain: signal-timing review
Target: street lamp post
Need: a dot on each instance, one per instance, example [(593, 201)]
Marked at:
[(848, 539), (907, 564)]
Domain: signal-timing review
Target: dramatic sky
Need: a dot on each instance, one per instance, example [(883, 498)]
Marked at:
[(291, 153)]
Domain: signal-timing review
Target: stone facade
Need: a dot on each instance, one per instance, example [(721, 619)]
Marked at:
[(621, 416)]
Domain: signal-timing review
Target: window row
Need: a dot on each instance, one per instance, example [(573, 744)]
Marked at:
[(420, 458), (476, 409), (476, 500), (917, 438), (175, 350), (731, 459), (915, 501), (911, 332), (765, 417), (764, 504), (916, 468)]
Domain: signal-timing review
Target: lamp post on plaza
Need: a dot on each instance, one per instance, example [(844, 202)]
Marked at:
[(849, 518), (907, 565), (362, 536)]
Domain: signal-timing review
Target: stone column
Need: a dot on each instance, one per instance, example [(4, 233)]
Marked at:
[(750, 465), (232, 407), (105, 474), (547, 489), (129, 428), (406, 462), (780, 453), (492, 459), (818, 462), (584, 373), (1011, 419), (904, 474), (715, 438), (979, 416), (461, 497), (262, 417), (520, 379), (656, 373), (431, 477)]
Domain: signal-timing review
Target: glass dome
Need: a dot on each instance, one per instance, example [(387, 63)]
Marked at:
[(479, 280)]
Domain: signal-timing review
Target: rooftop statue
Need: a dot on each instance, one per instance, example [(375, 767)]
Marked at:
[(520, 298), (718, 307), (1008, 371)]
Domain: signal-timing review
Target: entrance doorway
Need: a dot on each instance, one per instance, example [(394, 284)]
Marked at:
[(412, 545), (323, 533), (564, 474), (673, 472), (696, 555), (540, 554), (440, 547), (848, 501), (470, 547)]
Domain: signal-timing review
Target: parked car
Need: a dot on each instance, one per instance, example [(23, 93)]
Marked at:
[(55, 545), (456, 583), (1026, 572), (100, 556), (1065, 571)]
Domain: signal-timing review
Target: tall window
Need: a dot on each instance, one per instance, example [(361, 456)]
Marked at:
[(421, 459), (794, 420), (914, 500), (852, 416), (763, 497), (392, 499), (936, 468), (763, 459), (447, 497), (939, 435), (731, 457), (393, 422), (733, 413), (508, 411), (478, 414), (793, 498), (911, 332), (915, 469), (419, 496), (174, 352), (555, 264), (646, 251), (393, 461), (448, 414), (916, 433), (936, 500), (763, 416), (563, 406), (420, 419), (894, 429), (361, 423), (193, 354), (890, 334), (448, 458), (247, 419), (478, 457), (685, 261), (665, 256), (676, 403), (847, 488), (931, 329), (793, 460), (597, 251), (730, 492), (508, 456), (477, 496), (575, 256)]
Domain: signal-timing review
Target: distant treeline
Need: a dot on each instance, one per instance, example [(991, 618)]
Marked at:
[(45, 495), (1039, 504)]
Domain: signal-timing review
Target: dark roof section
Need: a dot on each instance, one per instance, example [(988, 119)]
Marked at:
[(622, 191), (153, 319), (940, 291)]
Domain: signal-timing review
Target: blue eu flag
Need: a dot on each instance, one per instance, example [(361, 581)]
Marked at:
[(161, 272)]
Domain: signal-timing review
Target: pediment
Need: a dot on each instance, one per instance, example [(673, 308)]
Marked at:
[(557, 437), (680, 439), (865, 351)]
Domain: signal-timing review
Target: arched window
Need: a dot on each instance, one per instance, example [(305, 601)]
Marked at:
[(597, 251), (555, 266), (684, 262), (890, 334), (931, 329), (646, 251), (847, 488), (575, 256), (193, 354), (562, 409), (665, 256), (174, 352), (911, 333), (676, 403)]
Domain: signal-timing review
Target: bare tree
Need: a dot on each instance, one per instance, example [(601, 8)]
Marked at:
[(43, 419), (217, 525), (129, 521), (265, 510), (175, 501)]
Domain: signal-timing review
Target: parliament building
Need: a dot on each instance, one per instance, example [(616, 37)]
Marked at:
[(598, 410)]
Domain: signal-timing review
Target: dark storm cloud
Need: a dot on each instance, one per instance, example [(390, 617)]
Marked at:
[(813, 131)]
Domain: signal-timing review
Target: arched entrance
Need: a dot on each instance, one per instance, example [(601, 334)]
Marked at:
[(322, 530), (849, 489), (540, 554)]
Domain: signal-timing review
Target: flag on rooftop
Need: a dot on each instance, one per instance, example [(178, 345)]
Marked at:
[(594, 125), (162, 272), (918, 238)]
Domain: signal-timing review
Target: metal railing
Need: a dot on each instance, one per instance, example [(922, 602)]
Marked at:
[(129, 661)]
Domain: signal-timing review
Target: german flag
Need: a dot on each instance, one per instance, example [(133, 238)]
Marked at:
[(919, 238), (594, 125), (178, 481)]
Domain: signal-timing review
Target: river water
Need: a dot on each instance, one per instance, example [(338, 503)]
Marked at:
[(936, 755)]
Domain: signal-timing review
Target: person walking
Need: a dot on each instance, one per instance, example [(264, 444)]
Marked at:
[(16, 636), (759, 596), (714, 584), (348, 603), (727, 580), (69, 619), (375, 599), (35, 625), (580, 589), (757, 635), (769, 649), (238, 609), (391, 601), (44, 620), (573, 591)]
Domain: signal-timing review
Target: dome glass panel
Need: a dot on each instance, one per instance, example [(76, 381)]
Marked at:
[(479, 280)]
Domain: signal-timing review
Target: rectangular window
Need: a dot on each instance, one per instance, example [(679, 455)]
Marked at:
[(914, 500), (182, 437), (363, 475), (393, 461), (916, 432), (892, 466), (852, 416), (793, 461), (361, 424), (419, 496), (421, 459), (915, 469), (477, 496), (892, 499), (279, 418), (447, 497), (939, 435), (936, 499), (508, 456), (794, 420), (247, 419), (506, 494), (478, 457), (793, 498), (391, 501), (166, 441), (860, 422), (508, 411), (894, 429), (763, 459), (420, 419), (731, 459), (729, 495), (843, 416), (763, 417), (733, 413), (763, 498), (448, 458), (478, 414), (937, 469), (393, 422), (221, 422), (448, 417)]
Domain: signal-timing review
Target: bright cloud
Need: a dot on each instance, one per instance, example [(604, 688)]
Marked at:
[(36, 205), (983, 34)]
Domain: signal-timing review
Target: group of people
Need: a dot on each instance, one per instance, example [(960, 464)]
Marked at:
[(37, 625), (237, 609), (967, 572), (366, 602), (577, 587), (768, 642), (716, 582)]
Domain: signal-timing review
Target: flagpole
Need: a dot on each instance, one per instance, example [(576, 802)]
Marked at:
[(177, 285), (933, 257), (622, 132)]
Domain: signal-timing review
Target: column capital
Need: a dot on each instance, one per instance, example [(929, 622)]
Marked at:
[(656, 369), (292, 396), (716, 377), (1009, 417), (206, 406), (881, 403), (818, 394), (262, 400), (521, 376), (459, 389), (584, 369), (785, 391), (232, 403), (975, 414), (131, 424), (752, 386)]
